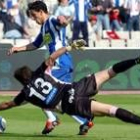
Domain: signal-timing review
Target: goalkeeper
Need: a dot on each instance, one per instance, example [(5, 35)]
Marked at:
[(45, 91)]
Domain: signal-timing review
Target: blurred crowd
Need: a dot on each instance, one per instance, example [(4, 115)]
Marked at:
[(88, 18)]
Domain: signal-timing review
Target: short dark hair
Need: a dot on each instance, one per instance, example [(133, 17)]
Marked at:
[(23, 75), (2, 1), (28, 13), (37, 6)]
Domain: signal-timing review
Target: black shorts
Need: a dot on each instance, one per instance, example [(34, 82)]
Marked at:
[(76, 101)]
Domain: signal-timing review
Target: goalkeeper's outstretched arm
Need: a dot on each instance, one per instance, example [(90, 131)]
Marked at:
[(7, 105), (77, 44), (51, 60)]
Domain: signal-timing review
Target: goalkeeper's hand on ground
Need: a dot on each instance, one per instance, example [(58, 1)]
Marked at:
[(77, 45)]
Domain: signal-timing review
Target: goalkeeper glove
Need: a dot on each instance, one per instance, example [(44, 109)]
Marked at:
[(77, 44)]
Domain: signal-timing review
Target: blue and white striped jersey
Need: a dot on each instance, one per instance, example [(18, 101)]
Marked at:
[(81, 9), (50, 36)]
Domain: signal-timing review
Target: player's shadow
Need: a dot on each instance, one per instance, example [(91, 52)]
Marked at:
[(18, 135)]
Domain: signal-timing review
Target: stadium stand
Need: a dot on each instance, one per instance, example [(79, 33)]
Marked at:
[(1, 30), (109, 38), (7, 41), (102, 43), (22, 42), (133, 43), (116, 34), (123, 34), (135, 35), (118, 43)]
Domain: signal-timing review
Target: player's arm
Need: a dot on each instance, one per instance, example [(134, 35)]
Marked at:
[(17, 101), (7, 105), (51, 60), (77, 44), (28, 47)]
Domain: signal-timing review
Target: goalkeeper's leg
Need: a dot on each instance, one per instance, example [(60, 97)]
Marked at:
[(102, 109), (51, 122), (85, 124), (107, 74), (65, 75)]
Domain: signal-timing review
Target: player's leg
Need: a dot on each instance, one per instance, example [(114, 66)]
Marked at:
[(52, 121), (64, 75), (51, 116), (85, 124), (101, 109), (105, 75)]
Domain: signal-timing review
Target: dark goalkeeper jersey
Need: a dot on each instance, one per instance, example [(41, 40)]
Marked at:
[(43, 90)]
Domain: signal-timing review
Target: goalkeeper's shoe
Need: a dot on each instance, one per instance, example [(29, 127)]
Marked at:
[(49, 126), (83, 129)]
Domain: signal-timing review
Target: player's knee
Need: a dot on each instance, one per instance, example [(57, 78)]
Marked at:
[(112, 111), (111, 72)]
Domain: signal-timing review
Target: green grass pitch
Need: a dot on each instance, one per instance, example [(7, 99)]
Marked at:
[(26, 123)]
